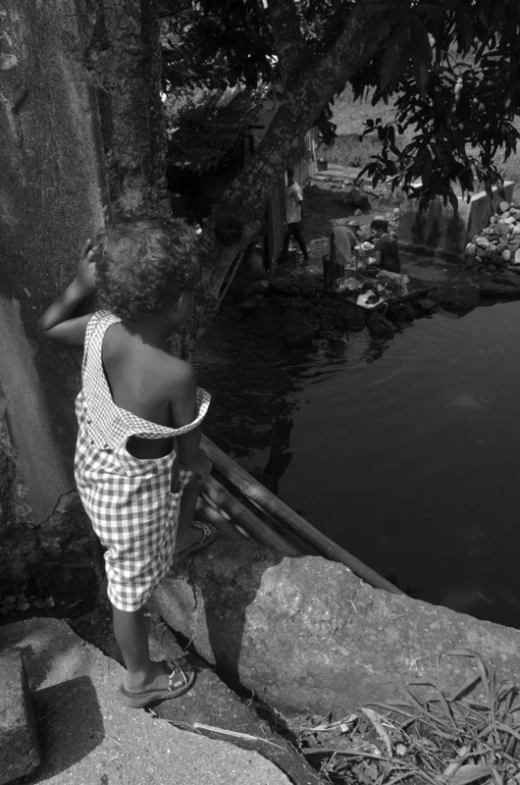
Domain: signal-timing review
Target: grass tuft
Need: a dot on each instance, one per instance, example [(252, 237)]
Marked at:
[(434, 740)]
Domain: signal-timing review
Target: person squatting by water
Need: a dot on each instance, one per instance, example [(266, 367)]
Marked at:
[(387, 252), (294, 214), (138, 465)]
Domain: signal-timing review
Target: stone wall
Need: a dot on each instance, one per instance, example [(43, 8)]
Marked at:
[(440, 231)]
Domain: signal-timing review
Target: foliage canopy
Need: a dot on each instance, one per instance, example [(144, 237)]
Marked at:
[(451, 67)]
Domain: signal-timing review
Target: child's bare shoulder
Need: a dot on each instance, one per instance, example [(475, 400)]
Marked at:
[(178, 376)]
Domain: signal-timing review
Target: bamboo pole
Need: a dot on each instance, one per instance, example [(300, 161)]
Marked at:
[(247, 519), (283, 513), (302, 545), (211, 515), (210, 503)]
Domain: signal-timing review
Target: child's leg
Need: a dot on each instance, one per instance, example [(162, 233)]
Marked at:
[(132, 638)]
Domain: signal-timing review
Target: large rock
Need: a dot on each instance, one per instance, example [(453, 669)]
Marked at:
[(379, 326), (19, 750), (498, 291), (356, 198), (307, 635), (460, 298), (347, 316)]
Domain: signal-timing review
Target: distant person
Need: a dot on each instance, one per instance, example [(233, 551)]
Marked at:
[(138, 462), (387, 253), (294, 214)]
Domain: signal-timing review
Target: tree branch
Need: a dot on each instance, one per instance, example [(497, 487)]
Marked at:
[(312, 89)]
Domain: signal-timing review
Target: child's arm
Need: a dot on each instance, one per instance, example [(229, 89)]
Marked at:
[(184, 411), (56, 323)]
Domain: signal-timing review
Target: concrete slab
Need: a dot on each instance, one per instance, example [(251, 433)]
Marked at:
[(87, 738)]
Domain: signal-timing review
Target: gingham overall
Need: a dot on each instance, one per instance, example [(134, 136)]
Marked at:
[(129, 501)]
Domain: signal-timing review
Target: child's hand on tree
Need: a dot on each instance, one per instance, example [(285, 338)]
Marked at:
[(86, 271)]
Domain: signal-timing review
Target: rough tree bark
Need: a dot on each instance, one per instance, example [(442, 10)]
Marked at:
[(310, 86), (123, 57)]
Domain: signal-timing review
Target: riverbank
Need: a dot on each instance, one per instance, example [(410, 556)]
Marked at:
[(294, 308)]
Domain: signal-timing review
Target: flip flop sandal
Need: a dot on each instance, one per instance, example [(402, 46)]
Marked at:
[(209, 535), (180, 680)]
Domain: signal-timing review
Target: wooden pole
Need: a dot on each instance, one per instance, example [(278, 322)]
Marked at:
[(283, 513), (211, 515), (247, 519)]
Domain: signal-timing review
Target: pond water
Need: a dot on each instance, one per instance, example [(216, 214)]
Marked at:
[(411, 462)]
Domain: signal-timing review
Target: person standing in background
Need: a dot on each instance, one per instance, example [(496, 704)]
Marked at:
[(294, 215), (387, 252)]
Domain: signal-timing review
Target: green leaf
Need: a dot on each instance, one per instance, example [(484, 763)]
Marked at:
[(472, 771), (373, 7), (420, 68), (464, 26), (393, 54), (421, 54), (455, 204), (382, 30)]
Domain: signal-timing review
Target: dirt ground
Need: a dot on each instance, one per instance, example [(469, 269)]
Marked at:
[(323, 200)]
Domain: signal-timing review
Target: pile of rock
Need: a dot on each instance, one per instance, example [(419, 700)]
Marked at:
[(498, 245)]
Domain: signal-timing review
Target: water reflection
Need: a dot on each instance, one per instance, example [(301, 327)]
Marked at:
[(411, 462)]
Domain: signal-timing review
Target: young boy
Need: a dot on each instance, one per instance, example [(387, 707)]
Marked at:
[(387, 253), (138, 462)]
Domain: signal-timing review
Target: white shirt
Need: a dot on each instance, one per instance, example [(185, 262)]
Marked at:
[(293, 196)]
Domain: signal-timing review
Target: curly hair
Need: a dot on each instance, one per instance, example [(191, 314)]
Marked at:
[(144, 264)]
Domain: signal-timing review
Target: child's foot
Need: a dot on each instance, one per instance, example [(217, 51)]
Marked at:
[(198, 536), (164, 682)]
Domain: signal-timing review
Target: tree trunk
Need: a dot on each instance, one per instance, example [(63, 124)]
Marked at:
[(81, 140), (124, 59)]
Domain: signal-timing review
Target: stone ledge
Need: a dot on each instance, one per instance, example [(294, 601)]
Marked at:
[(309, 636), (19, 749)]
